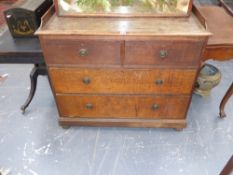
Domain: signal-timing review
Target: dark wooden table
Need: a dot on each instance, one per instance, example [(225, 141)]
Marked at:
[(23, 51)]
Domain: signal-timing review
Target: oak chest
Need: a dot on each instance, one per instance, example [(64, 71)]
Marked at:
[(134, 72)]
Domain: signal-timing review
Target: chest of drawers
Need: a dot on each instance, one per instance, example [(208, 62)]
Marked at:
[(123, 72)]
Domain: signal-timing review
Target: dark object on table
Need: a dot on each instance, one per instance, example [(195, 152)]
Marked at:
[(23, 21), (208, 78)]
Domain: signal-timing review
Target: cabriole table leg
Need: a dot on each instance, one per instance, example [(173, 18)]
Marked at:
[(224, 101), (228, 169), (38, 69)]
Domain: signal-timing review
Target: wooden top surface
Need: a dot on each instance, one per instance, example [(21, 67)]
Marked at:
[(124, 26), (220, 23)]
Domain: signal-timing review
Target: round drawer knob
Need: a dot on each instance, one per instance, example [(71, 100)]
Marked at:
[(155, 107), (163, 53), (89, 106), (83, 52), (159, 82), (86, 80)]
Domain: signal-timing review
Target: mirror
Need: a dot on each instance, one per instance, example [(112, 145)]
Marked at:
[(123, 7)]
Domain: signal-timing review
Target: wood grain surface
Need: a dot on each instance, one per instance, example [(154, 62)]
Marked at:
[(67, 51), (178, 124), (124, 26), (122, 81), (118, 106), (178, 52), (134, 72)]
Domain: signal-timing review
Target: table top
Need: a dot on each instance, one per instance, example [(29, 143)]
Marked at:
[(150, 27), (19, 50), (220, 23)]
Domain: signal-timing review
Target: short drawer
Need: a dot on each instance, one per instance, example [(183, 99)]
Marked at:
[(163, 53), (81, 52), (122, 81), (127, 106)]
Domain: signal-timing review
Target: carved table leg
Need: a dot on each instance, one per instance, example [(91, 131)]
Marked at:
[(38, 69), (228, 169), (224, 101)]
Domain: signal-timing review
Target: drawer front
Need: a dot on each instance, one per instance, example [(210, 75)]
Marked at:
[(170, 107), (163, 53), (82, 52), (122, 81)]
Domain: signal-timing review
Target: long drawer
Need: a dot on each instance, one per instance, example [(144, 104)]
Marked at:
[(122, 106), (122, 81)]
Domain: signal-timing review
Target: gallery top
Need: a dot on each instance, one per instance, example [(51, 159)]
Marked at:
[(105, 26)]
